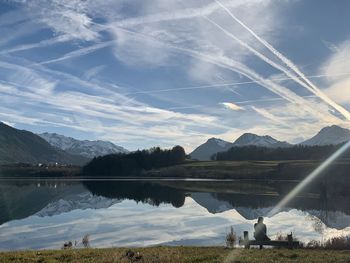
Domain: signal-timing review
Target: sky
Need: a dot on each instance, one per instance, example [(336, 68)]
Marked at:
[(144, 73)]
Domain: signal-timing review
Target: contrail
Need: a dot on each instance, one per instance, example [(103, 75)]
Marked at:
[(227, 85), (291, 65), (237, 67), (187, 13), (79, 52), (260, 55), (236, 102)]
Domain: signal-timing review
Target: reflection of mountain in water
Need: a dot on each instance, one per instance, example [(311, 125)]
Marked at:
[(83, 200), (253, 199), (251, 207), (22, 199)]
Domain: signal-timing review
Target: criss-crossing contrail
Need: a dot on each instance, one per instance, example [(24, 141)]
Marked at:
[(229, 64), (260, 55), (310, 86), (227, 84)]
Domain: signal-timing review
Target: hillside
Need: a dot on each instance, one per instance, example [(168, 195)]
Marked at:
[(20, 146), (204, 151)]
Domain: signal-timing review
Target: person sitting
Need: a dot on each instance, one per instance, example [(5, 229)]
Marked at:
[(260, 230)]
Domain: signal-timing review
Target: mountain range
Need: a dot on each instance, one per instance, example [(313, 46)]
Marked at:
[(20, 146), (85, 148), (331, 135)]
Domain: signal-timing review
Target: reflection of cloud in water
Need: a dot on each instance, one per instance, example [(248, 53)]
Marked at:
[(131, 224)]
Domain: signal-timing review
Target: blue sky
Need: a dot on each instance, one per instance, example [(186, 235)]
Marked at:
[(143, 73)]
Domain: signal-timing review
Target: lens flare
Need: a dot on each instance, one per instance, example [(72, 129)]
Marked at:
[(308, 179)]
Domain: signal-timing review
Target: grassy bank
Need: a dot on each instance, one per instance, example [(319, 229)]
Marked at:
[(275, 170), (179, 254), (14, 171)]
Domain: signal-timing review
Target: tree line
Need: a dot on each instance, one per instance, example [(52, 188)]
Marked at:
[(131, 164), (297, 152)]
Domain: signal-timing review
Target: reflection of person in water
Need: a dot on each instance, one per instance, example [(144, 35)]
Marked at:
[(260, 230)]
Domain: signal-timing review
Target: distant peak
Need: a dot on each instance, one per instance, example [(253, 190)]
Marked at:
[(213, 139), (248, 139), (248, 134), (251, 136), (330, 135), (332, 127)]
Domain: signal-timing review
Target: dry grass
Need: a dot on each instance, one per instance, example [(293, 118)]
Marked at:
[(178, 255)]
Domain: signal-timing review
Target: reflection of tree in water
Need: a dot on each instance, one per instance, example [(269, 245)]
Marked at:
[(146, 192), (320, 196)]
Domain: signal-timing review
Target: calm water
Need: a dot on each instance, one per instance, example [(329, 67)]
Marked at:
[(40, 214)]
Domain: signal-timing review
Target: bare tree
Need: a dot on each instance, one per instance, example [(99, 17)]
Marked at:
[(86, 241), (231, 238)]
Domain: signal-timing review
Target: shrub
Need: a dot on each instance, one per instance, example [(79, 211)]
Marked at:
[(281, 237), (334, 243), (341, 243), (231, 238), (313, 244), (67, 245)]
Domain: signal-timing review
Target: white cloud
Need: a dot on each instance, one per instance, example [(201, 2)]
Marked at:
[(232, 106), (338, 63), (92, 72), (340, 91), (67, 17), (266, 114), (139, 52)]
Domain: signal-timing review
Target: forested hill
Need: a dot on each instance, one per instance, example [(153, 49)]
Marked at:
[(298, 152), (132, 164)]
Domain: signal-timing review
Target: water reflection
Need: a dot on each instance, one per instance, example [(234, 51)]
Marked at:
[(146, 192), (164, 212)]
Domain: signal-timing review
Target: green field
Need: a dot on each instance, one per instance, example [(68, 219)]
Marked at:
[(178, 255)]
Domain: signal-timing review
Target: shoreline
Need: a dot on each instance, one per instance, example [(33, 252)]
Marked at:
[(212, 170), (141, 178)]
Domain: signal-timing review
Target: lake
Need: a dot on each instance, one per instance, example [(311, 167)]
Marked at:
[(45, 213)]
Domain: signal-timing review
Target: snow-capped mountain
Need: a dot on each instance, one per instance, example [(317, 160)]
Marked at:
[(329, 135), (214, 145), (264, 141), (84, 148)]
